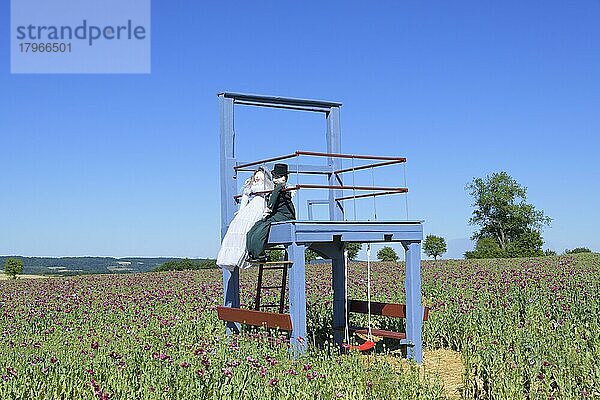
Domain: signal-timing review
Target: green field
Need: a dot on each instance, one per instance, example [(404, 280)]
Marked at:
[(525, 329)]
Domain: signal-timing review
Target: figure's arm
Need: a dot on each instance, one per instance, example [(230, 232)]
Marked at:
[(274, 195), (245, 198)]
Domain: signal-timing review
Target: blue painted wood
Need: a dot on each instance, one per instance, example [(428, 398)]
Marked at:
[(414, 309), (231, 281), (334, 251), (228, 174), (338, 266), (311, 203), (326, 237), (350, 226), (334, 145), (275, 101), (359, 237), (325, 231), (297, 298), (231, 291)]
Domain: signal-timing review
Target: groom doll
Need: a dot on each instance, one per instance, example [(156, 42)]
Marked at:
[(279, 208)]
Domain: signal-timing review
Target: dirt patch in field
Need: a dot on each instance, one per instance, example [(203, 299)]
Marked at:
[(444, 364), (448, 365)]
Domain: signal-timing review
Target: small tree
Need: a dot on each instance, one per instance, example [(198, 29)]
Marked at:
[(486, 247), (387, 254), (578, 250), (549, 252), (353, 249), (434, 246), (12, 267), (529, 244)]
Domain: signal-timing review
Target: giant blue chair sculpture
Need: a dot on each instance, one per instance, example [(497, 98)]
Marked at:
[(327, 238)]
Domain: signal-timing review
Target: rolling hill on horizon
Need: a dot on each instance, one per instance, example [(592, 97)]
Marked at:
[(87, 265)]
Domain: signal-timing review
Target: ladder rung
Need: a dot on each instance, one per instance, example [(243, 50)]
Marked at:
[(272, 265)]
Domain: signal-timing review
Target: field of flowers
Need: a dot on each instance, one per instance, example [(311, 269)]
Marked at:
[(526, 329)]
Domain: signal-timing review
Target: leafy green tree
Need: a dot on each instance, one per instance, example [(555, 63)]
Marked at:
[(387, 254), (434, 246), (353, 249), (486, 247), (167, 266), (578, 250), (503, 214), (528, 244), (186, 264), (209, 263), (13, 267), (549, 252)]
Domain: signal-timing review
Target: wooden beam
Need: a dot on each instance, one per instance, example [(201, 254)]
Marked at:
[(375, 332), (384, 309), (255, 318), (270, 101), (379, 332), (360, 196), (333, 154), (361, 167), (265, 160), (412, 287)]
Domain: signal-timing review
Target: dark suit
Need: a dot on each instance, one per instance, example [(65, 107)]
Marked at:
[(282, 209)]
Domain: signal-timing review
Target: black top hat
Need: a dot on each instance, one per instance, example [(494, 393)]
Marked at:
[(280, 170)]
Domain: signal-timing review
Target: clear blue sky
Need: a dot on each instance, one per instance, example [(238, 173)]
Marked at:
[(127, 165)]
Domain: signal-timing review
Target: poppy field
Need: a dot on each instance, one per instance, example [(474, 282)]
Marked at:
[(526, 329)]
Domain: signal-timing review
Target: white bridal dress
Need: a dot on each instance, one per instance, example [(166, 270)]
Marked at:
[(233, 248)]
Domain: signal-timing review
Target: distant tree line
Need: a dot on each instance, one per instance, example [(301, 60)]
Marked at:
[(187, 264), (578, 250), (84, 265)]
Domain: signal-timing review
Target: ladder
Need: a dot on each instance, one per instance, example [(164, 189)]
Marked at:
[(268, 266)]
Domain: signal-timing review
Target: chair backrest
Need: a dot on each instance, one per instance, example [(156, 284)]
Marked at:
[(255, 318), (384, 309)]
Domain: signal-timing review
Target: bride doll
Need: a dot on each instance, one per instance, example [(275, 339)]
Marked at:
[(252, 206)]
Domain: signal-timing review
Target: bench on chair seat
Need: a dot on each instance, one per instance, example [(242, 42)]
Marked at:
[(385, 309), (255, 318)]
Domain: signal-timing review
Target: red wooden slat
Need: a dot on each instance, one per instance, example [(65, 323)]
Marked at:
[(386, 189), (339, 155), (255, 318), (318, 154), (360, 196), (361, 167), (348, 187), (237, 167), (379, 332), (385, 309), (377, 308)]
